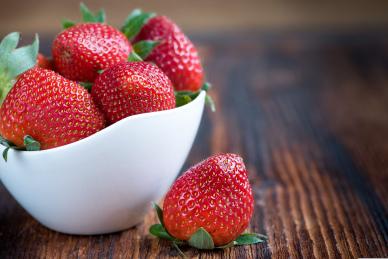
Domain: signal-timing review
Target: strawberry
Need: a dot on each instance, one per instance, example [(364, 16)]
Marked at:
[(175, 54), (44, 62), (50, 108), (209, 206), (80, 51), (130, 88), (214, 194)]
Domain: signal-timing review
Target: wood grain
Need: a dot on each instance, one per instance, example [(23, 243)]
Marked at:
[(308, 112)]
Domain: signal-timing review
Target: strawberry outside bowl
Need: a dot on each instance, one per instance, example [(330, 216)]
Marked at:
[(105, 182)]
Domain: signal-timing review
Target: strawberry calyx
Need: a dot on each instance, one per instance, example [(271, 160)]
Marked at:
[(144, 48), (132, 26), (185, 97), (134, 57), (201, 239), (141, 50), (14, 61), (86, 85), (30, 144), (87, 16), (67, 23), (134, 22)]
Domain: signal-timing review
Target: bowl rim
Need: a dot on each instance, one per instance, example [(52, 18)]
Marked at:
[(113, 126)]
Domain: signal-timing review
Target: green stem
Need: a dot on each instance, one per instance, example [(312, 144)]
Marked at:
[(179, 250)]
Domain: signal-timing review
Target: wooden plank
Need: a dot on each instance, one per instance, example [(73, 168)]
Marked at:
[(308, 114)]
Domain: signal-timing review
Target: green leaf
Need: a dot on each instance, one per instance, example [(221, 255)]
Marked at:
[(8, 146), (184, 97), (159, 231), (192, 95), (210, 102), (4, 142), (189, 93), (101, 16), (201, 240), (14, 61), (134, 13), (67, 24), (22, 59), (145, 47), (208, 99), (246, 239), (88, 16), (87, 85), (8, 44), (31, 144), (159, 212), (5, 154), (134, 22), (261, 236), (133, 57), (249, 238), (181, 100), (206, 86)]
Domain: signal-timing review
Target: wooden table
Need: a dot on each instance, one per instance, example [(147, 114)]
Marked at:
[(309, 113)]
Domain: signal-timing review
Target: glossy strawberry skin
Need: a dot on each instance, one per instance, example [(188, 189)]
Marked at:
[(175, 55), (52, 109), (130, 88), (214, 194), (44, 62), (79, 52)]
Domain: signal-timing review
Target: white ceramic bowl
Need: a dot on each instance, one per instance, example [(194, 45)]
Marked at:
[(106, 182)]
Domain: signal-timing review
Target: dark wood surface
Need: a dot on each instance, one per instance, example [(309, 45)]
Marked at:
[(309, 113)]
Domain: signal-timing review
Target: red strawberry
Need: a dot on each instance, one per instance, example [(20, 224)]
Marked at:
[(80, 51), (52, 109), (130, 88), (175, 54), (215, 195), (44, 62)]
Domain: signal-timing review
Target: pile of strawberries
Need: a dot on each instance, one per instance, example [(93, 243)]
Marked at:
[(49, 102), (99, 75)]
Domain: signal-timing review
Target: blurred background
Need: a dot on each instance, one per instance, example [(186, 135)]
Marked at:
[(44, 16)]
